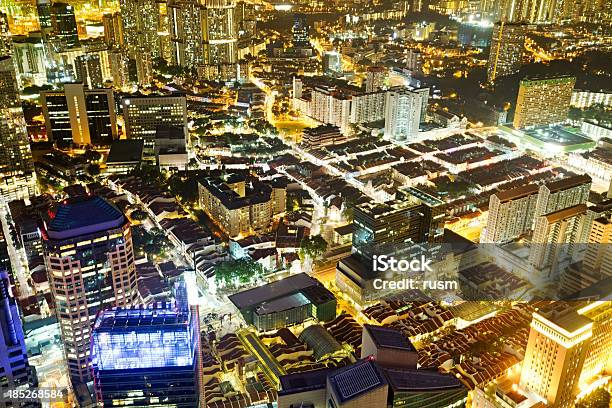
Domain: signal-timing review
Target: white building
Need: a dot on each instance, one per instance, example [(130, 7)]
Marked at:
[(404, 110)]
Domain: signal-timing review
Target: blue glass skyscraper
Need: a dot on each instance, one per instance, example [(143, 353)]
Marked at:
[(147, 357), (14, 367)]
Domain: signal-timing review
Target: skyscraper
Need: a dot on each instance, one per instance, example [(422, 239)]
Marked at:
[(119, 63), (143, 115), (17, 176), (300, 31), (556, 349), (6, 42), (507, 48), (43, 7), (140, 20), (184, 20), (404, 110), (80, 116), (220, 36), (511, 214), (147, 357), (64, 24), (543, 101), (113, 29), (89, 257), (14, 366)]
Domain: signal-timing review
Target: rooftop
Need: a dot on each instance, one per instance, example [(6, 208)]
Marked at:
[(128, 150), (83, 215), (353, 381), (420, 380), (386, 337)]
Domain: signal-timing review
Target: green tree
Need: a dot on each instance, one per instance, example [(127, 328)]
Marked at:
[(312, 247), (237, 272)]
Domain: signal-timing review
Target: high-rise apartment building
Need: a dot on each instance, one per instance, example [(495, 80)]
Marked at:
[(564, 193), (147, 357), (14, 366), (120, 71), (140, 20), (511, 214), (113, 29), (64, 24), (89, 257), (543, 101), (507, 48), (375, 78), (144, 114), (80, 116), (598, 254), (368, 107), (554, 236), (404, 111), (556, 349), (220, 37), (17, 176), (184, 20)]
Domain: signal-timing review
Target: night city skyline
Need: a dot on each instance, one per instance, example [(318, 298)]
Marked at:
[(306, 204)]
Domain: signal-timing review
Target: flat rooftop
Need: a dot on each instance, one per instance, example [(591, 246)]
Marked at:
[(271, 291), (408, 380)]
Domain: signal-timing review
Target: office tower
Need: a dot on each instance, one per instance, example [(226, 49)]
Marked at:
[(332, 63), (140, 20), (300, 31), (414, 61), (511, 214), (43, 7), (554, 236), (557, 345), (184, 20), (385, 226), (564, 193), (147, 357), (507, 48), (143, 115), (89, 257), (543, 101), (17, 176), (597, 360), (113, 29), (64, 24), (120, 71), (14, 366), (80, 116), (6, 43), (375, 78), (403, 111), (88, 70), (220, 37)]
